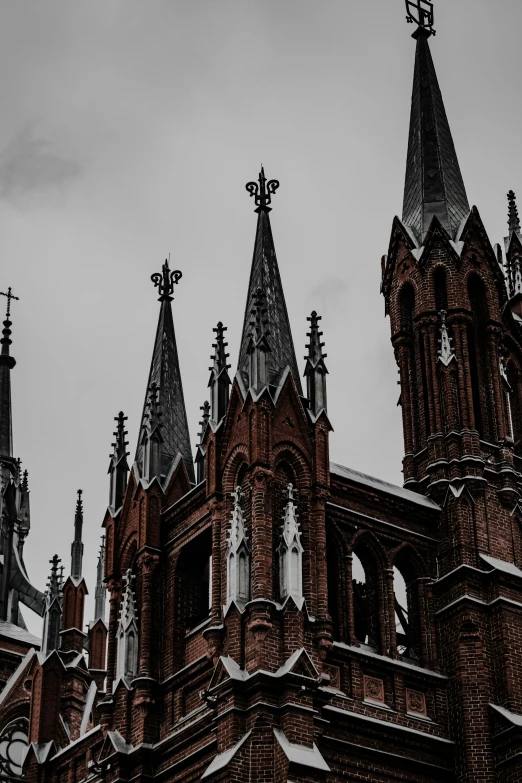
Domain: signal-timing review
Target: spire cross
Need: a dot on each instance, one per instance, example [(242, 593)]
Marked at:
[(262, 191), (165, 281), (421, 12), (9, 296)]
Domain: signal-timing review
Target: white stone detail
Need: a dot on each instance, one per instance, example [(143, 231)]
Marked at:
[(446, 353), (238, 555), (127, 634), (291, 553)]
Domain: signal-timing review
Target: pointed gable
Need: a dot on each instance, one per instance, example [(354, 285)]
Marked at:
[(265, 275), (434, 184)]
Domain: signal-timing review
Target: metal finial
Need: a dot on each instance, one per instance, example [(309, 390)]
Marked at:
[(10, 296), (79, 504), (513, 218), (420, 12), (165, 281), (262, 191)]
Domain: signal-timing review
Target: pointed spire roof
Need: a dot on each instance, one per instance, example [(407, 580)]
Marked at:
[(77, 545), (315, 347), (99, 596), (265, 275), (513, 218), (165, 374), (434, 184), (7, 362)]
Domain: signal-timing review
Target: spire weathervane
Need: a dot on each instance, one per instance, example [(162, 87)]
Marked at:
[(165, 282), (9, 296), (421, 12), (262, 191)]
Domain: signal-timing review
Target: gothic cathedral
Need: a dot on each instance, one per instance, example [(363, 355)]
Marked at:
[(273, 616)]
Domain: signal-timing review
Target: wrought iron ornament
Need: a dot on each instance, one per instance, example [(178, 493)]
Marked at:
[(9, 297), (262, 191), (165, 281), (421, 12)]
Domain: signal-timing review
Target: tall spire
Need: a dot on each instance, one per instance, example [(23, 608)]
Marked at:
[(77, 545), (7, 362), (165, 374), (434, 184), (53, 608), (99, 595), (264, 274)]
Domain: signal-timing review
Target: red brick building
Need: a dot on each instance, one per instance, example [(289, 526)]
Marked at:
[(274, 616)]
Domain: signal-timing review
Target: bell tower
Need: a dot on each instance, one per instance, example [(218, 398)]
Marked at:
[(444, 291)]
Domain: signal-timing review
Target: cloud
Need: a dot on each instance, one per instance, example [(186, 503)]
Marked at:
[(32, 164), (329, 296)]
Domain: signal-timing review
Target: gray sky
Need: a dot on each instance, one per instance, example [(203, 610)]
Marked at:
[(129, 130)]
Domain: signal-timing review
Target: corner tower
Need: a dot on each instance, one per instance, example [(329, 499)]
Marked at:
[(444, 291)]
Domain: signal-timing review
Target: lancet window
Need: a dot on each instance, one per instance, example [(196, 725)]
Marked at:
[(478, 358), (127, 634), (238, 554), (290, 551)]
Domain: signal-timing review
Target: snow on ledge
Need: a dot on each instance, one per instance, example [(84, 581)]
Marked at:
[(299, 754), (382, 486), (223, 759), (501, 565)]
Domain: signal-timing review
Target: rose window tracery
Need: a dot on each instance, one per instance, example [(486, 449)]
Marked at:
[(13, 744)]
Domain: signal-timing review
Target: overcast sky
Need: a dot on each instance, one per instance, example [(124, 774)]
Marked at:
[(129, 130)]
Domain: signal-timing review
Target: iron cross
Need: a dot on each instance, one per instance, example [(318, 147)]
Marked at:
[(420, 11), (9, 297)]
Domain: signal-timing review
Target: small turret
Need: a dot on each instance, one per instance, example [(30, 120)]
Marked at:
[(513, 247), (118, 467), (200, 459), (315, 370), (77, 545), (100, 593), (53, 608), (219, 382)]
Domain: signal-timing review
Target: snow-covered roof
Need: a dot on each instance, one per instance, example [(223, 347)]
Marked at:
[(382, 486), (14, 632), (501, 565), (512, 717), (13, 679)]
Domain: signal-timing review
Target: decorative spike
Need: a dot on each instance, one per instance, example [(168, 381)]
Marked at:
[(165, 281), (219, 382), (25, 481), (77, 545), (100, 592), (262, 191), (315, 369), (513, 218), (204, 420)]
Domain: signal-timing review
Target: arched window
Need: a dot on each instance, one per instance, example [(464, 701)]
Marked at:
[(441, 293), (366, 596), (192, 588), (407, 611), (407, 310), (13, 745), (513, 410), (478, 357)]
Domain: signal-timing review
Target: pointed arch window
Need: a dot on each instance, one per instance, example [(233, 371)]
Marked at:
[(366, 596), (478, 357), (407, 311), (406, 588)]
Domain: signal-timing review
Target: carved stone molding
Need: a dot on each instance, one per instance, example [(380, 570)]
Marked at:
[(373, 689)]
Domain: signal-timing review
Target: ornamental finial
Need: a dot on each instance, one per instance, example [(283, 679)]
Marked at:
[(262, 191), (9, 296), (513, 218), (420, 12), (165, 281)]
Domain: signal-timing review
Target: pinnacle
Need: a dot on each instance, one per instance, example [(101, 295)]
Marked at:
[(513, 218)]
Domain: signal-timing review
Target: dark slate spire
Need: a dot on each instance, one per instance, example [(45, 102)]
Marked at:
[(118, 466), (77, 545), (165, 374), (264, 274), (315, 369), (219, 382), (99, 595), (434, 184), (7, 362)]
